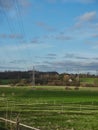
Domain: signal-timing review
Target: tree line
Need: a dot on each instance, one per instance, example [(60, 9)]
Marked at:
[(43, 78)]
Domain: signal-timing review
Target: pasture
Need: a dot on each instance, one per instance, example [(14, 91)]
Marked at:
[(51, 108)]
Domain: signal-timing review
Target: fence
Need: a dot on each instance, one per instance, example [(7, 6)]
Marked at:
[(18, 125)]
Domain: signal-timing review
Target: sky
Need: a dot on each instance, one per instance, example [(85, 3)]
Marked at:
[(51, 35)]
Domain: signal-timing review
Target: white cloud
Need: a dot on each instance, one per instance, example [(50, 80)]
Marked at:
[(23, 46), (9, 4), (51, 1), (11, 7), (63, 37), (72, 1), (11, 36), (87, 17), (45, 26), (95, 47), (80, 1), (86, 21), (95, 35)]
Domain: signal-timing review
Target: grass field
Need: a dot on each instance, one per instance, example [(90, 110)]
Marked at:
[(87, 80), (51, 108)]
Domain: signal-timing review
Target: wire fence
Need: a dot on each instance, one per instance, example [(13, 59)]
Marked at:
[(16, 125)]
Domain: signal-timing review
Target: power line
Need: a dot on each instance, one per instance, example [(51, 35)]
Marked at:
[(11, 28), (18, 10), (20, 15), (11, 25), (7, 19)]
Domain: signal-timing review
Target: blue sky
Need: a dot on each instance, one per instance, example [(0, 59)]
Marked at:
[(52, 35)]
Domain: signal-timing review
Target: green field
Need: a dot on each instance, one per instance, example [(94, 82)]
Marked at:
[(51, 108), (87, 80)]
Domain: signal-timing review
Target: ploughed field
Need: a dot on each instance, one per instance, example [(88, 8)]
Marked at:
[(51, 108)]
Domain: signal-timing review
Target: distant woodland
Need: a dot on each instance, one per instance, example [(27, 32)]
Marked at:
[(22, 78)]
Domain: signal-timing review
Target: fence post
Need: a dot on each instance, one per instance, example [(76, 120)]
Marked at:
[(17, 122)]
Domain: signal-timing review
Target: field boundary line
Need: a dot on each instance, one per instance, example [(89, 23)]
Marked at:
[(20, 124)]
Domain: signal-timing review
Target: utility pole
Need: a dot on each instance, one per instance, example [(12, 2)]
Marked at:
[(33, 77), (96, 72), (77, 80)]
